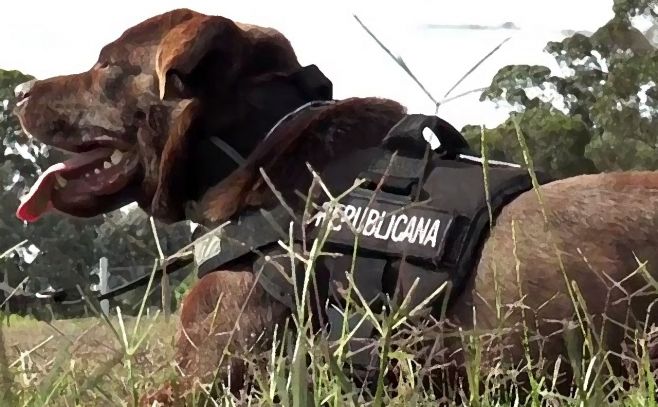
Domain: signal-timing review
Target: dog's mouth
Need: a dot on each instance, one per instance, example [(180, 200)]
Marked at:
[(88, 183)]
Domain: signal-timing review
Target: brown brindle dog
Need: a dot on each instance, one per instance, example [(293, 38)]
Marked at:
[(134, 122)]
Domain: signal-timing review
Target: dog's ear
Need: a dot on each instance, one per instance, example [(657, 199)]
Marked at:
[(184, 48)]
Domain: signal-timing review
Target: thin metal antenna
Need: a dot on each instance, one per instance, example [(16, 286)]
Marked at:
[(398, 60), (404, 66)]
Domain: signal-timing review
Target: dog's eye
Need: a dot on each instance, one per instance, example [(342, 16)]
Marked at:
[(103, 64)]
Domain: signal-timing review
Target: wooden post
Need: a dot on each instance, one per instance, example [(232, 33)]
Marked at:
[(5, 375), (104, 276), (166, 294), (5, 280)]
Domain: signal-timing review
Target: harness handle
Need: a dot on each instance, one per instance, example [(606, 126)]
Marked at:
[(407, 137)]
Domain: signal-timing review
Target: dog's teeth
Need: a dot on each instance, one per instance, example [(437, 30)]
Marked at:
[(61, 182), (116, 157), (106, 165), (97, 171), (104, 137)]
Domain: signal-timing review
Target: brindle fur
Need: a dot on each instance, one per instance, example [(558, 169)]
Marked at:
[(183, 74)]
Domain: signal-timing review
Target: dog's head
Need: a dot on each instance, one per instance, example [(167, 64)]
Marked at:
[(129, 119)]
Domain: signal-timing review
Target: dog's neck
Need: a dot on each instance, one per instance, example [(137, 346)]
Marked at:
[(211, 155), (318, 135)]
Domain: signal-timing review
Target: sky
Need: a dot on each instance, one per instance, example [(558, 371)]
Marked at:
[(49, 38)]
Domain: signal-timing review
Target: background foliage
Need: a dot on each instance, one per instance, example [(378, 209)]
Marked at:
[(597, 113)]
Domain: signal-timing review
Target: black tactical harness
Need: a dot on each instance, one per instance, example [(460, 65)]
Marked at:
[(420, 214)]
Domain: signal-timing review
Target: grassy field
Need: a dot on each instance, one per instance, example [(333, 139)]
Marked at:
[(86, 361), (97, 362)]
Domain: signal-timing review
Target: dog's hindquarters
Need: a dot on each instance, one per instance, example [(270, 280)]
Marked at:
[(584, 255)]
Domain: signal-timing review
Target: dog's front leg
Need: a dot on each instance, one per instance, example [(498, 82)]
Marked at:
[(225, 313)]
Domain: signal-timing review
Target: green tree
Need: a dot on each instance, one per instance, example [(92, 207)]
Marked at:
[(597, 114)]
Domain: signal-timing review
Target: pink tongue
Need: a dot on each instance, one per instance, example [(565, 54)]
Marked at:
[(37, 202)]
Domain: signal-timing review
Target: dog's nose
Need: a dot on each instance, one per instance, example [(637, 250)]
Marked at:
[(22, 91)]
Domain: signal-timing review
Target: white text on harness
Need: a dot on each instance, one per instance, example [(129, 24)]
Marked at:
[(397, 227)]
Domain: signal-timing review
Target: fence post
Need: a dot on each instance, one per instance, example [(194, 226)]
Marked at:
[(166, 294), (103, 276)]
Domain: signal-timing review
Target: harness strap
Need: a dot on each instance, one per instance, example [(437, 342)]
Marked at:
[(260, 228), (228, 150), (295, 114), (171, 265)]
